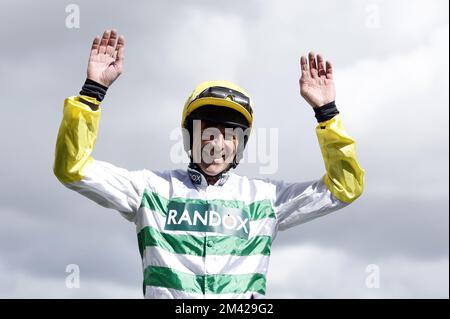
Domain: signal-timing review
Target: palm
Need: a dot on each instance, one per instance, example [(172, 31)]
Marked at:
[(106, 58), (316, 82)]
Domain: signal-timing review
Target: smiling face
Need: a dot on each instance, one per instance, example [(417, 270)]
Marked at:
[(216, 145)]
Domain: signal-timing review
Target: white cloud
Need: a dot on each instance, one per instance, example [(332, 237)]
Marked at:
[(16, 284), (387, 96), (413, 20), (398, 108), (206, 45), (309, 271)]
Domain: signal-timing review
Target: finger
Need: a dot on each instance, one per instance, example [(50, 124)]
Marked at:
[(111, 42), (95, 45), (321, 65), (119, 51), (329, 70), (304, 63), (312, 64), (119, 55), (304, 67), (104, 42)]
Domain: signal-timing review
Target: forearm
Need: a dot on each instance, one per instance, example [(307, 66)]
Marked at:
[(344, 177), (77, 133)]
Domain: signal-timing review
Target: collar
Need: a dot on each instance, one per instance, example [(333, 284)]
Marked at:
[(198, 179)]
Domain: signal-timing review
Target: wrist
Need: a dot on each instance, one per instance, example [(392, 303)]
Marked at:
[(94, 89), (326, 112)]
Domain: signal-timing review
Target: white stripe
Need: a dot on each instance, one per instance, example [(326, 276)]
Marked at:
[(236, 265), (249, 190), (156, 256), (262, 227), (211, 264), (152, 292), (147, 217)]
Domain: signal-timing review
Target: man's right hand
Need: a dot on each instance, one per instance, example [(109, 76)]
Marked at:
[(106, 58)]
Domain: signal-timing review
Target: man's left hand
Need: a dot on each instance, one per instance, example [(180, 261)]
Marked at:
[(316, 82)]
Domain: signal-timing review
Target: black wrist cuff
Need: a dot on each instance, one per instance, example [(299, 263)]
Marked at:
[(94, 89), (326, 112)]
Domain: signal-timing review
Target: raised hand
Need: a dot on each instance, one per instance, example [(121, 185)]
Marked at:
[(106, 58), (316, 82)]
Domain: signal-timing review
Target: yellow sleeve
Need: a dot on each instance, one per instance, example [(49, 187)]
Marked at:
[(344, 177), (76, 138)]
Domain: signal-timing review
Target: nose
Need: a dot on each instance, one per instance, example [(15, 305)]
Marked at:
[(218, 141)]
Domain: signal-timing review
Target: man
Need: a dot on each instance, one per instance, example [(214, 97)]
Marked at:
[(206, 232)]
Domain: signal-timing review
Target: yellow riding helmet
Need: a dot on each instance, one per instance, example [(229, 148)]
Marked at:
[(211, 99), (205, 94)]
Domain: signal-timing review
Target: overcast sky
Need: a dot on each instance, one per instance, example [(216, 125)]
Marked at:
[(391, 60)]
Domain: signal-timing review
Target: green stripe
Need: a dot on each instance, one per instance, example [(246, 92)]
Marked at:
[(201, 246), (261, 209), (154, 202), (204, 284), (257, 210)]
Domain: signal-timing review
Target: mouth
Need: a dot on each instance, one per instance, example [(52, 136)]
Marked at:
[(219, 160), (214, 156)]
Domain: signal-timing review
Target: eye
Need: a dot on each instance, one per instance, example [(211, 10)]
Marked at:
[(230, 137)]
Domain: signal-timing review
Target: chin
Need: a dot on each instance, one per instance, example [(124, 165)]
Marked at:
[(214, 169)]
